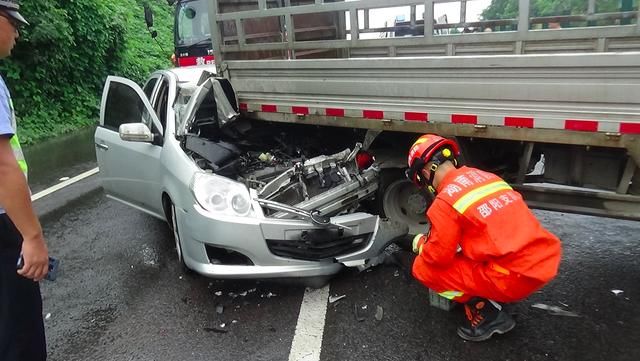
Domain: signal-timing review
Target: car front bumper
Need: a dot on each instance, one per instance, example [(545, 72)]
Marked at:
[(277, 248)]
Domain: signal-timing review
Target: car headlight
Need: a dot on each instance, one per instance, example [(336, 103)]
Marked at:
[(221, 195)]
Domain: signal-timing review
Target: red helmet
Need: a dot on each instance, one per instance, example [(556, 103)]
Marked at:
[(424, 150)]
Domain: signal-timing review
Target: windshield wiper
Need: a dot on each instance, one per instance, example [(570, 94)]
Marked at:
[(201, 42)]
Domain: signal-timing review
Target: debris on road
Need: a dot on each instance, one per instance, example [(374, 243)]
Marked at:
[(617, 292), (48, 316), (379, 313), (555, 310), (218, 293), (356, 311), (333, 299), (63, 179), (217, 329)]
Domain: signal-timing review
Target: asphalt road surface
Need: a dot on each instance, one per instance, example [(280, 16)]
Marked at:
[(121, 295)]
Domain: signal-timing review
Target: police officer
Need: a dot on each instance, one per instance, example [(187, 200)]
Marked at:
[(21, 326), (484, 245)]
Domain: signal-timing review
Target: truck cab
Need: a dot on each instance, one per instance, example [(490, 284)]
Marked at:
[(192, 35)]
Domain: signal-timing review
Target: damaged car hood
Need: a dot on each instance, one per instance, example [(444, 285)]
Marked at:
[(209, 88)]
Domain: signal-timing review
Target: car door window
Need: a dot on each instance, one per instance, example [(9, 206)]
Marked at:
[(148, 88), (123, 101), (160, 104), (123, 105)]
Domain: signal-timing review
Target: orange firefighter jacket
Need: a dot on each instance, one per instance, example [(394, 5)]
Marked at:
[(479, 212)]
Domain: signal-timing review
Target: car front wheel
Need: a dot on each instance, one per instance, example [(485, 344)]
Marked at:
[(176, 237)]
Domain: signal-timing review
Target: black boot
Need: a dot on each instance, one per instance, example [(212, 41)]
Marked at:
[(484, 319)]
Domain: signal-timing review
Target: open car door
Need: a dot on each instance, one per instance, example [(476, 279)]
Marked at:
[(130, 170)]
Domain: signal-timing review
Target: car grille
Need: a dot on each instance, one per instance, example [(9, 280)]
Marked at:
[(320, 244)]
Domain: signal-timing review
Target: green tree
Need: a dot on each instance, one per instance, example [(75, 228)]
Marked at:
[(57, 70), (508, 9)]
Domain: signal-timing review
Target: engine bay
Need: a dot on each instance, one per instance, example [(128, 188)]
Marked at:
[(312, 168)]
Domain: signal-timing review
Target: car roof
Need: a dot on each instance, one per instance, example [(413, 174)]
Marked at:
[(191, 74)]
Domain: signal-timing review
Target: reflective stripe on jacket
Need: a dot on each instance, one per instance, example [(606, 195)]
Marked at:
[(17, 152), (8, 125), (15, 143), (491, 222)]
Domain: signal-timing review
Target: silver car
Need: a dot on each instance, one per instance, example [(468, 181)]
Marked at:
[(244, 198)]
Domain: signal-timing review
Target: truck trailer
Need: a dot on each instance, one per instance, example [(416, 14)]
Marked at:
[(550, 103)]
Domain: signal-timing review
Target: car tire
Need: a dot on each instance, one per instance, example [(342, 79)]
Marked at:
[(399, 200), (176, 238)]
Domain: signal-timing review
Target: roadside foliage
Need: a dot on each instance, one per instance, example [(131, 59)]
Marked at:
[(59, 65), (505, 9)]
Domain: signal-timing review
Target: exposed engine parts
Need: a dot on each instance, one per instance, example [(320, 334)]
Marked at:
[(296, 171)]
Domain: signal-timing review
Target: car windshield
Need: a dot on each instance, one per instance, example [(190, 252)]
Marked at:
[(184, 93), (192, 23)]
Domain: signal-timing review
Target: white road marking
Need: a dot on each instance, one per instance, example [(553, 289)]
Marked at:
[(61, 185), (307, 341)]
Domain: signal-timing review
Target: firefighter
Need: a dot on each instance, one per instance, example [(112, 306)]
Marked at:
[(22, 334), (484, 247)]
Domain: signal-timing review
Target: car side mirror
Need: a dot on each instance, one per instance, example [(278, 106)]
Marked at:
[(148, 15), (135, 132)]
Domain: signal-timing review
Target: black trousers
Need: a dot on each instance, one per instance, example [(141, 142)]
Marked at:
[(21, 327)]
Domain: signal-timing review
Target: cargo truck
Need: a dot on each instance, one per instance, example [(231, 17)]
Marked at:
[(263, 165), (552, 109)]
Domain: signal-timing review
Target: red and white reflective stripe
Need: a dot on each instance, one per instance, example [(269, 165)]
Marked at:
[(416, 117), (464, 119), (300, 110), (517, 121), (581, 125), (334, 112), (269, 108), (630, 128), (196, 60)]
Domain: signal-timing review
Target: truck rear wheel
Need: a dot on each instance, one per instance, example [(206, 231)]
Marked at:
[(399, 200)]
